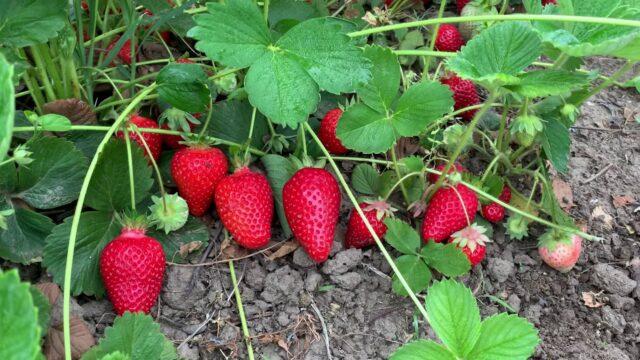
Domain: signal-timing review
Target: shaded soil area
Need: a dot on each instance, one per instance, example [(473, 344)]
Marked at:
[(297, 310)]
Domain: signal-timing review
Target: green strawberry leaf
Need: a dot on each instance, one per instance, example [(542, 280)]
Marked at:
[(414, 271), (421, 350), (285, 77), (505, 337), (363, 129), (231, 119), (454, 316), (293, 12), (402, 237), (31, 22), (539, 83), (55, 175), (281, 89), (24, 237), (184, 86), (587, 39), (380, 92), (95, 230), (136, 336), (233, 33), (556, 143), (420, 105), (328, 55), (44, 309), (53, 122), (447, 259), (365, 179), (109, 188), (8, 177), (115, 356), (279, 171), (180, 244), (19, 330), (7, 106), (498, 54)]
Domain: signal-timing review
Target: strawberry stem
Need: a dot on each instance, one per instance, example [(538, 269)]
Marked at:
[(132, 184), (75, 222), (405, 195), (432, 43), (250, 136), (206, 122), (156, 169), (243, 319), (367, 224)]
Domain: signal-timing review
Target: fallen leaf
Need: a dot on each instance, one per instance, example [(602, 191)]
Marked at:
[(79, 112), (188, 248), (598, 213), (50, 290), (563, 193), (81, 340), (593, 300), (230, 250), (284, 250), (622, 200)]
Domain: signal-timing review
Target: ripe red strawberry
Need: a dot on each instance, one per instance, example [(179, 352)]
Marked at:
[(456, 167), (473, 242), (196, 171), (446, 213), (559, 249), (244, 202), (125, 51), (311, 201), (460, 4), (132, 267), (495, 212), (327, 132), (449, 38), (464, 94), (154, 141), (358, 236), (547, 2)]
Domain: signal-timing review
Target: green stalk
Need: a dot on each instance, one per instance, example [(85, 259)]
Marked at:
[(424, 53), (503, 127), (156, 169), (357, 207), (119, 102), (42, 72), (52, 69), (465, 138), (432, 44), (132, 184), (243, 319), (105, 35), (34, 90), (208, 120), (78, 211), (250, 136), (144, 130), (511, 17), (397, 183), (265, 10), (605, 84), (403, 189)]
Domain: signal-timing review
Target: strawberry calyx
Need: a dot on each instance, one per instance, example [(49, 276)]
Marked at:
[(177, 119), (381, 207), (168, 213), (471, 236), (553, 238), (133, 223), (517, 227)]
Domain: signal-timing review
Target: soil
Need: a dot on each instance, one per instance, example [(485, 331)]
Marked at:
[(297, 310)]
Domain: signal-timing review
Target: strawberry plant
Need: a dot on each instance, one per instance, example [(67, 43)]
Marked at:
[(127, 126)]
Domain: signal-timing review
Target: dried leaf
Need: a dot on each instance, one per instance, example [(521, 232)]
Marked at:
[(563, 193), (283, 344), (79, 112), (188, 248), (230, 250), (81, 340), (50, 290), (622, 200), (284, 250), (599, 214), (592, 300)]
